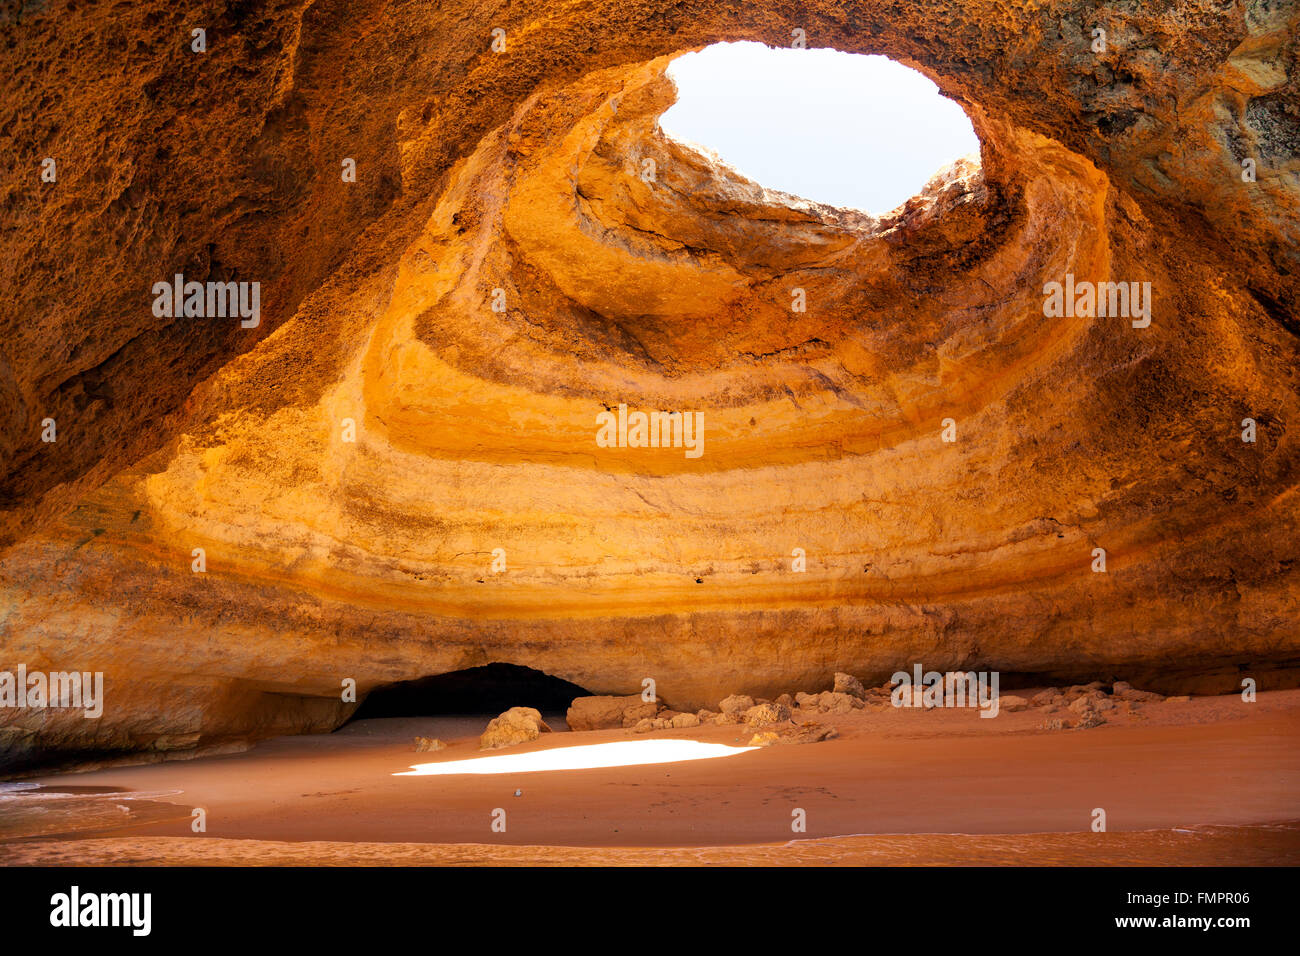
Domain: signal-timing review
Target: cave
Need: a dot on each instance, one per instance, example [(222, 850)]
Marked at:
[(458, 358), (489, 690)]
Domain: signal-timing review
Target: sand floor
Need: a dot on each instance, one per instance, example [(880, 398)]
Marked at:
[(1210, 780)]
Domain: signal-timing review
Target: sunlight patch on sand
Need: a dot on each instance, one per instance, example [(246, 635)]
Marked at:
[(626, 753)]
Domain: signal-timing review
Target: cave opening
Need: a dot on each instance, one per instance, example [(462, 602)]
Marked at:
[(847, 130), (487, 690)]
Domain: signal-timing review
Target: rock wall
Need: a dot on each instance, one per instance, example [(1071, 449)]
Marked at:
[(515, 179)]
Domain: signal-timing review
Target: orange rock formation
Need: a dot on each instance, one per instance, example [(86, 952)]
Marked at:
[(501, 273)]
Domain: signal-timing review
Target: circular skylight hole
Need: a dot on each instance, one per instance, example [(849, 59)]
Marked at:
[(858, 132)]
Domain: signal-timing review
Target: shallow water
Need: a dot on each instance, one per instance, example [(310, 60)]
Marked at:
[(32, 810)]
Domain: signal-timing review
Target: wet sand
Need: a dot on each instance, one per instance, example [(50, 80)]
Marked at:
[(930, 787), (1276, 845)]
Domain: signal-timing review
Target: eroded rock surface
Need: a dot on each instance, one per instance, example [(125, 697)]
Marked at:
[(377, 560)]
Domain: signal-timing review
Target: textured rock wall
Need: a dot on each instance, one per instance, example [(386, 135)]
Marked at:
[(476, 429)]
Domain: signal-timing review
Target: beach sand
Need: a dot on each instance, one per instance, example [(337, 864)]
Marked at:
[(1209, 780)]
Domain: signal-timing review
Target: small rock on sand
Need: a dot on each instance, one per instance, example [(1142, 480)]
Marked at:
[(518, 725), (736, 704), (767, 714)]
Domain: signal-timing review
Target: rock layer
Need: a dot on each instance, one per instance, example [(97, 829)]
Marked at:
[(476, 519)]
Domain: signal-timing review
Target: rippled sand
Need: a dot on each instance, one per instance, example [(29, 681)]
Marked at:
[(1271, 845)]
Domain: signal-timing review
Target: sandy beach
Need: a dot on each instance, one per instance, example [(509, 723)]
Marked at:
[(1207, 780)]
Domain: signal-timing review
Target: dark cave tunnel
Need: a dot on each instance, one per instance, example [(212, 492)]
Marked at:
[(490, 690)]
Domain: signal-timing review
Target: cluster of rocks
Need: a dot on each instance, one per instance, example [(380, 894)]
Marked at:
[(643, 717), (847, 695), (632, 712), (1079, 706), (1087, 705)]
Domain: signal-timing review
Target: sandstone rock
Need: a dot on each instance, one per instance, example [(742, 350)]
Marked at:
[(848, 684), (786, 700), (635, 713), (1130, 694), (517, 725), (767, 714), (1082, 705), (1011, 703), (428, 744), (706, 716), (644, 725), (805, 733), (831, 702), (604, 713), (809, 732), (803, 699), (1088, 719), (1181, 698), (1047, 697), (367, 558), (660, 724), (685, 720), (736, 704)]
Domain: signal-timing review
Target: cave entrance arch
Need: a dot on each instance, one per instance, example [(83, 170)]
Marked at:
[(474, 691)]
